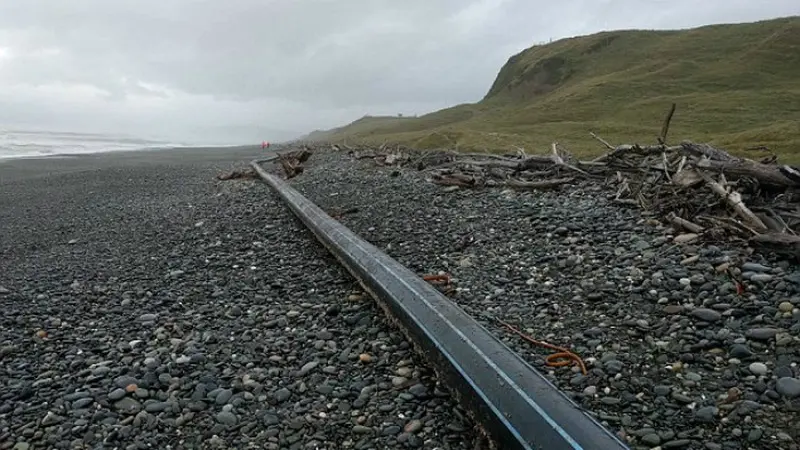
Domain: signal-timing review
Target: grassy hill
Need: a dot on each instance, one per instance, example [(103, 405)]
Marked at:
[(736, 86)]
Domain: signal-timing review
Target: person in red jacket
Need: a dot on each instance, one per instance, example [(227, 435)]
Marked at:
[(264, 145)]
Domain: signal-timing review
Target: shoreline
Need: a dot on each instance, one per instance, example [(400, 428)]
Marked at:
[(13, 169)]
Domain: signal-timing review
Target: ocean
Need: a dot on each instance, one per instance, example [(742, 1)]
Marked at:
[(27, 143)]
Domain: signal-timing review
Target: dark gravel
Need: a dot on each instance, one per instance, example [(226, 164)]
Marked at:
[(676, 358), (147, 305)]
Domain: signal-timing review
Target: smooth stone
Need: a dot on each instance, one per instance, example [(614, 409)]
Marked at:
[(226, 418), (783, 339), (82, 403), (307, 367), (128, 405), (116, 394), (755, 434), (758, 368), (651, 439), (610, 401), (148, 317), (693, 376), (783, 372), (418, 390), (51, 419), (124, 381), (705, 314), (706, 414), (677, 396), (754, 267), (761, 277), (223, 396), (282, 394), (399, 381), (788, 387), (761, 334), (156, 407), (391, 430), (361, 429), (662, 390), (748, 406), (786, 307), (685, 238), (413, 426), (740, 351)]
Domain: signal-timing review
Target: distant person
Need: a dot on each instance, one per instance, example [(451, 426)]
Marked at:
[(264, 145)]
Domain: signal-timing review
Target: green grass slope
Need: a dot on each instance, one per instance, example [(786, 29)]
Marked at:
[(736, 86)]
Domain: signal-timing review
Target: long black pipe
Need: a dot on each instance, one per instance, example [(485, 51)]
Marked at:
[(517, 407)]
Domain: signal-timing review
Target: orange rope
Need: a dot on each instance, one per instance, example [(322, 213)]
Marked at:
[(563, 358), (444, 278)]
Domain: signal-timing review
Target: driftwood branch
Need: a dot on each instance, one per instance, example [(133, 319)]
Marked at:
[(782, 243), (734, 199), (292, 162), (685, 224), (602, 141), (662, 139), (767, 174)]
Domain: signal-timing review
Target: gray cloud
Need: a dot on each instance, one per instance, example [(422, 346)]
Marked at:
[(239, 70)]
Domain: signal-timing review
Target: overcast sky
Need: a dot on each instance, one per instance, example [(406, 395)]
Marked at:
[(243, 70)]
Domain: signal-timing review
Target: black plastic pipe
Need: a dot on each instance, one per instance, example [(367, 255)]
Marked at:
[(516, 406)]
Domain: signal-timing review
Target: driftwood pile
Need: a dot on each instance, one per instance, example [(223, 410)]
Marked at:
[(703, 191), (292, 162)]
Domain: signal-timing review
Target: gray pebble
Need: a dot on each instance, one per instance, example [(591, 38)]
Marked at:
[(223, 396), (761, 277), (754, 267), (755, 434), (418, 390), (82, 403), (610, 401), (758, 368), (761, 333), (51, 419), (128, 405), (156, 407), (307, 367), (705, 314), (282, 394), (740, 351), (227, 418), (651, 439), (361, 429), (788, 387), (706, 414), (116, 394)]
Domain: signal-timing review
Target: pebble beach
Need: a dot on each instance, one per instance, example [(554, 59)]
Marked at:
[(148, 305)]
